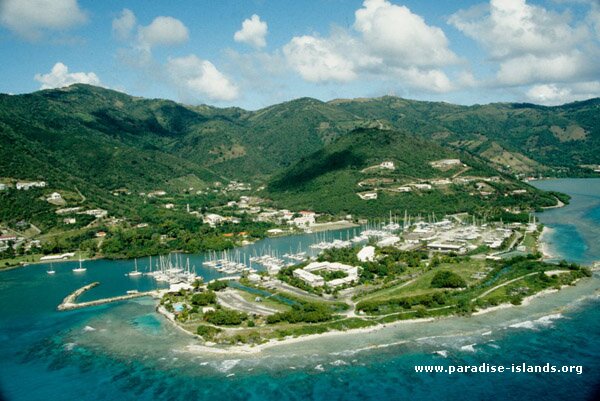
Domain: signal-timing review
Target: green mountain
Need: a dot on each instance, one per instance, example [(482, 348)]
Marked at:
[(526, 137), (401, 170), (95, 140)]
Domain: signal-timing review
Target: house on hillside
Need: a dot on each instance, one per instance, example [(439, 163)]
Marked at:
[(26, 185), (367, 195)]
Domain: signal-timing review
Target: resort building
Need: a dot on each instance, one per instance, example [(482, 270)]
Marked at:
[(213, 219), (387, 165), (54, 196), (32, 184), (367, 254), (446, 247), (367, 195), (309, 276)]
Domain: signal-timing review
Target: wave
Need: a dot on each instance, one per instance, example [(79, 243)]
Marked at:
[(351, 352), (468, 348), (228, 365), (443, 353), (544, 321)]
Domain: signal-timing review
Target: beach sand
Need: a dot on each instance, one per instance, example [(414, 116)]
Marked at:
[(544, 243)]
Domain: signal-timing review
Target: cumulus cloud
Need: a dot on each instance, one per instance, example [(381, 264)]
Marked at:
[(198, 78), (553, 94), (163, 31), (253, 32), (124, 24), (528, 69), (532, 45), (30, 19), (60, 76), (402, 37), (387, 41), (512, 28), (317, 59)]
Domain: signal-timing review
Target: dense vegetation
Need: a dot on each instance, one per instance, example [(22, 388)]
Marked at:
[(328, 180), (447, 279)]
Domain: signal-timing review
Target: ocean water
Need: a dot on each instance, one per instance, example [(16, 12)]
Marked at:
[(125, 351), (575, 229)]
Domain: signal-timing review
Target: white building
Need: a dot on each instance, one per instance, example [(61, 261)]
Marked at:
[(54, 196), (389, 241), (156, 193), (367, 195), (307, 274), (97, 213), (367, 254), (404, 189), (30, 184), (169, 206), (306, 218), (70, 220), (309, 278), (387, 165), (213, 219), (446, 247), (446, 163), (2, 187), (423, 187)]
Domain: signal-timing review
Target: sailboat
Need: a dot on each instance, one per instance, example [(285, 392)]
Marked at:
[(80, 269), (51, 270), (135, 273)]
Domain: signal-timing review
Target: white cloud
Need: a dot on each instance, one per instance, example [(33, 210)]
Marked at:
[(253, 32), (547, 55), (163, 31), (528, 69), (512, 28), (532, 45), (552, 94), (200, 78), (31, 18), (401, 37), (123, 25), (317, 60), (60, 76), (388, 42)]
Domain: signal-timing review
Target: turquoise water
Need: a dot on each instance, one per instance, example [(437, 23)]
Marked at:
[(126, 351), (576, 228)]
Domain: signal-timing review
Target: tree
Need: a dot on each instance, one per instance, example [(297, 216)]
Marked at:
[(447, 279), (204, 298)]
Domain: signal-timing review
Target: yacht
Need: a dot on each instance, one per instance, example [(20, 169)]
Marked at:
[(51, 270), (135, 273), (80, 269)]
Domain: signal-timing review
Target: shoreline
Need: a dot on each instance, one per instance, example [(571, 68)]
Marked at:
[(320, 227), (257, 348), (544, 244)]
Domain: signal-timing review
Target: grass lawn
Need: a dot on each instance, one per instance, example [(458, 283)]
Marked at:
[(266, 302), (422, 284)]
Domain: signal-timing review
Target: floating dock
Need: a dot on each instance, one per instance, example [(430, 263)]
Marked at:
[(69, 302)]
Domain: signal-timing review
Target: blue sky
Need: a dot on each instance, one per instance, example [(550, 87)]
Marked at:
[(254, 53)]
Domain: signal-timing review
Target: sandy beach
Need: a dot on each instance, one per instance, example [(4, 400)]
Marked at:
[(253, 349), (544, 243)]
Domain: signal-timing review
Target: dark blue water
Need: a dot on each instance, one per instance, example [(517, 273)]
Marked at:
[(126, 351)]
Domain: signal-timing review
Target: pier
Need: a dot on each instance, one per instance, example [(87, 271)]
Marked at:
[(69, 302)]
